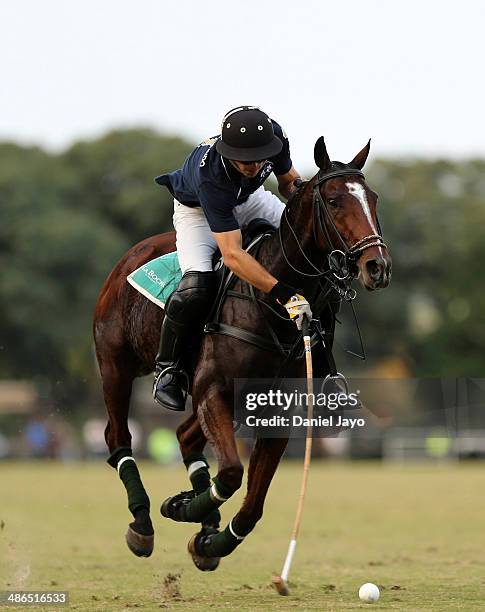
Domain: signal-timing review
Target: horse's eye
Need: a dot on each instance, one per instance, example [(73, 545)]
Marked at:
[(332, 203)]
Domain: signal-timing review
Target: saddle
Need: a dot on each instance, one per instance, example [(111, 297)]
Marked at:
[(255, 231), (253, 235)]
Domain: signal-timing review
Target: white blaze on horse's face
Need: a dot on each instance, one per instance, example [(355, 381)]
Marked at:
[(358, 191)]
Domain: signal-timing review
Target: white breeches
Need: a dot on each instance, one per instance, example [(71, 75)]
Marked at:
[(195, 241)]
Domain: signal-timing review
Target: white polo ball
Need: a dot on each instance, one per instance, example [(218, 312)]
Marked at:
[(369, 593)]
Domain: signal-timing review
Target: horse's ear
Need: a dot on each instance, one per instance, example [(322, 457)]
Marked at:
[(321, 156), (361, 157)]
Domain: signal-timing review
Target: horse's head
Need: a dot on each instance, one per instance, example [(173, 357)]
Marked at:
[(346, 217)]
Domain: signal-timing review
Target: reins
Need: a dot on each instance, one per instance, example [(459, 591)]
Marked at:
[(341, 262), (336, 277)]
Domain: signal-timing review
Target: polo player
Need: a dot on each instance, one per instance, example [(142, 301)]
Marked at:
[(217, 192)]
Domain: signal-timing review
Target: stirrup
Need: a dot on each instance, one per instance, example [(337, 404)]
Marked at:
[(175, 370), (168, 370), (335, 377)]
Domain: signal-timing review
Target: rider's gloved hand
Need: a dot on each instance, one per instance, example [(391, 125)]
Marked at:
[(298, 308), (295, 304), (282, 293)]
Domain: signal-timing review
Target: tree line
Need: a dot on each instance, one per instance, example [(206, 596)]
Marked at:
[(67, 218)]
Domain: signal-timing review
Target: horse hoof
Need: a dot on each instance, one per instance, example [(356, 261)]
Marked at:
[(205, 564), (164, 508), (173, 507), (140, 545)]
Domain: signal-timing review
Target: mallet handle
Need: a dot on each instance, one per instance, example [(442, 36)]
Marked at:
[(308, 455), (288, 560), (309, 438)]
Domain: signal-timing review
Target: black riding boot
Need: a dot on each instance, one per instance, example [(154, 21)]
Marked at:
[(185, 313), (171, 383)]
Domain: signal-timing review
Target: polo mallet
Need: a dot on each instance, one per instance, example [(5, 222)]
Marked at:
[(281, 582)]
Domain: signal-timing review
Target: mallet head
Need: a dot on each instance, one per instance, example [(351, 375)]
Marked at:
[(280, 585)]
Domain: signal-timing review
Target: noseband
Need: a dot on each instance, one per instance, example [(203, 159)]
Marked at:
[(341, 261)]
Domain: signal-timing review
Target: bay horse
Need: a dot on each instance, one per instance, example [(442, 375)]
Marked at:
[(332, 213)]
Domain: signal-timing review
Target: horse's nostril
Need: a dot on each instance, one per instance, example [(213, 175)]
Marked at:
[(373, 268)]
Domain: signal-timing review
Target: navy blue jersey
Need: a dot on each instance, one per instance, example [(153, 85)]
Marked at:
[(209, 180)]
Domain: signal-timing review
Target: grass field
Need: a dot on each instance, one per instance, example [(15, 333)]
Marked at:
[(416, 531)]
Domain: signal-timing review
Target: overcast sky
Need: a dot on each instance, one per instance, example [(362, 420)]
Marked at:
[(408, 74)]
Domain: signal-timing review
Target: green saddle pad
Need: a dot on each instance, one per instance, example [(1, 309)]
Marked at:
[(158, 278)]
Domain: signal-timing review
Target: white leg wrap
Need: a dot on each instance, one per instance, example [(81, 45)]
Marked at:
[(122, 460), (216, 495), (196, 465), (234, 533)]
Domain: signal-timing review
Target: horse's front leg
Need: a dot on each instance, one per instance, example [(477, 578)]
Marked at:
[(215, 417), (192, 442), (263, 463), (264, 460)]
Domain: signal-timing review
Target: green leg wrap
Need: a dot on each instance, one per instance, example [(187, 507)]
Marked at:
[(199, 477), (221, 544), (137, 496), (198, 508), (198, 470), (129, 474)]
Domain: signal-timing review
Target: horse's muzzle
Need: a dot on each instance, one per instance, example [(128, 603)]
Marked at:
[(376, 272)]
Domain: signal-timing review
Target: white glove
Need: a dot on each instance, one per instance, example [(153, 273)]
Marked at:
[(298, 308)]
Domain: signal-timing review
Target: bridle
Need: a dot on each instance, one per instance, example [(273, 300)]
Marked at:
[(341, 261), (337, 277)]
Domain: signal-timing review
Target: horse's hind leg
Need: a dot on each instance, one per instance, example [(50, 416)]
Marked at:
[(118, 374)]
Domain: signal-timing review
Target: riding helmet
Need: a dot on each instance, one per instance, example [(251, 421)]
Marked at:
[(247, 135)]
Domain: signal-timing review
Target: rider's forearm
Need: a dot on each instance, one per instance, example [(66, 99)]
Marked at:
[(286, 190), (248, 269)]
